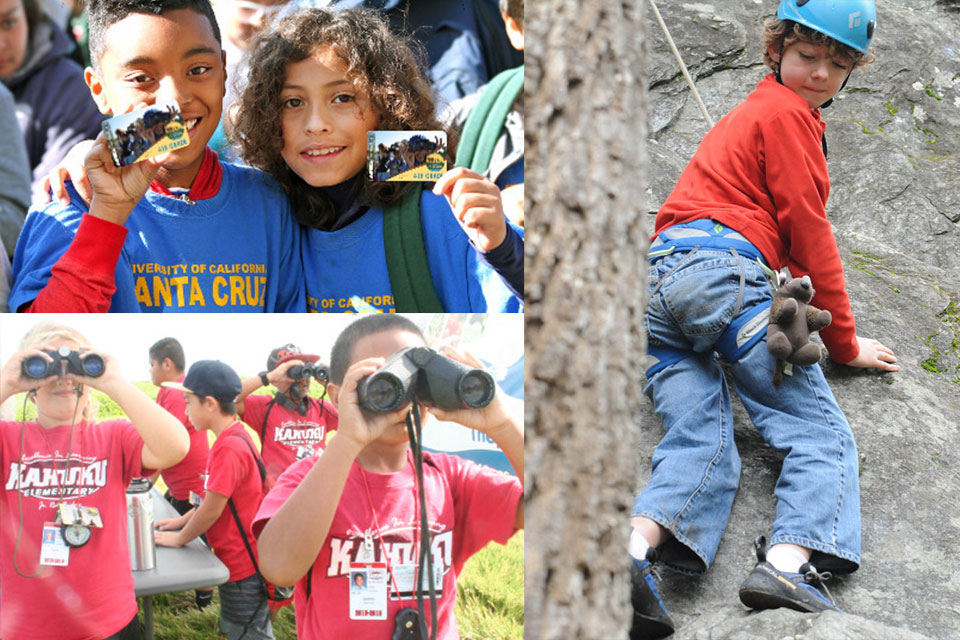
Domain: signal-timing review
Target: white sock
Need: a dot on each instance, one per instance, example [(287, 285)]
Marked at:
[(638, 545), (787, 557)]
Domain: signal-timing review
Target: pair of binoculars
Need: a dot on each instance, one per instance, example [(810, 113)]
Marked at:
[(38, 367), (434, 379), (318, 371)]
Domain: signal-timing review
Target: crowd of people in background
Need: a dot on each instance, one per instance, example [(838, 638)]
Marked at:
[(452, 50)]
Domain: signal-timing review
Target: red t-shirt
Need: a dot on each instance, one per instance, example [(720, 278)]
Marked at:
[(186, 475), (92, 597), (761, 171), (288, 436), (469, 505), (232, 471)]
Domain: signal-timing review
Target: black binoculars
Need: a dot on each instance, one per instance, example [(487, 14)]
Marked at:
[(38, 367), (434, 379), (318, 371)]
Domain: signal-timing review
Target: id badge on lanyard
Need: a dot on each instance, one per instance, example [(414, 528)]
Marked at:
[(368, 590), (54, 552), (368, 585)]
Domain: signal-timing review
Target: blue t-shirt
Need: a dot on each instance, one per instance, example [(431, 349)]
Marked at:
[(351, 262), (236, 252)]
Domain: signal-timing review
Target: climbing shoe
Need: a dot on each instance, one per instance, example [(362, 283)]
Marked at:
[(768, 588), (650, 617)]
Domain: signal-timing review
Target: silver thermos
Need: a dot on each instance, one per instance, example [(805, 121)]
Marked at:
[(143, 552)]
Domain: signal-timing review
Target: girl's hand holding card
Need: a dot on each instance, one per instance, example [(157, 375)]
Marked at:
[(476, 202)]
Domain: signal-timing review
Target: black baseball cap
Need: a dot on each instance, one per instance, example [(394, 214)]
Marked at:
[(288, 352), (210, 378)]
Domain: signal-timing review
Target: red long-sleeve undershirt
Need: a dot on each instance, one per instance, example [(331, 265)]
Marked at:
[(82, 280)]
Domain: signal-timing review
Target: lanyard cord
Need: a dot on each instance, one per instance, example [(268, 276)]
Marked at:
[(415, 433), (376, 523), (23, 431)]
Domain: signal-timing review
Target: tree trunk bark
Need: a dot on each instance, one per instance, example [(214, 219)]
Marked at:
[(586, 129)]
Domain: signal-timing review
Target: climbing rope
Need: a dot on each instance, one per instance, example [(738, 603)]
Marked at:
[(683, 67)]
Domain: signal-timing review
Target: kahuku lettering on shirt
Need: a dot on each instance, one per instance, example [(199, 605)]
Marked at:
[(43, 476), (294, 434), (394, 545), (199, 285)]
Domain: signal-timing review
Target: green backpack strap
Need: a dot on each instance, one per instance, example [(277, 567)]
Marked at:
[(406, 253), (486, 120)]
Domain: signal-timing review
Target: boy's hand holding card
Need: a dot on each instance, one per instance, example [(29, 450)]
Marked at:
[(145, 133), (118, 188)]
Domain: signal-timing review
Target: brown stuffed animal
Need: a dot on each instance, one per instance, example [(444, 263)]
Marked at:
[(791, 321)]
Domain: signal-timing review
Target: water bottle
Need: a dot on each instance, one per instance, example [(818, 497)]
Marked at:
[(143, 551)]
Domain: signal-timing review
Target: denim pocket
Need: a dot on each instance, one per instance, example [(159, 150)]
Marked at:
[(701, 296)]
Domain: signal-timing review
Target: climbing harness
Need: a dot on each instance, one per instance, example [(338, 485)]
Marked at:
[(746, 328)]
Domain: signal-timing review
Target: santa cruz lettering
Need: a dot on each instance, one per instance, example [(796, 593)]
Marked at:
[(43, 479)]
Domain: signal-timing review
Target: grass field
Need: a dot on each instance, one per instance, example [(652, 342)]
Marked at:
[(489, 603), (490, 588)]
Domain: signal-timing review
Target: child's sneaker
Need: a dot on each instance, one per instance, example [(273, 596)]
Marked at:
[(768, 588), (650, 617)]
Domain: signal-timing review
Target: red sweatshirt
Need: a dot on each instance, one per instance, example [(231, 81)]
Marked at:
[(82, 280), (761, 171)]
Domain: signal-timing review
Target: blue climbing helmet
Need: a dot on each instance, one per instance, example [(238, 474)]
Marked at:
[(851, 22)]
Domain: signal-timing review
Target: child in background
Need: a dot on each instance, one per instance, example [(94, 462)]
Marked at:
[(240, 21), (358, 495), (184, 480), (504, 164), (319, 81), (291, 424), (211, 388), (14, 189), (753, 198), (54, 107), (180, 232), (88, 591)]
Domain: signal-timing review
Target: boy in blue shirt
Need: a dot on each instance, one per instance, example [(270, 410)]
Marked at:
[(180, 232), (753, 198)]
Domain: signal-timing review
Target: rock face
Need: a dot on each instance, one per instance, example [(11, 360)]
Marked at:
[(894, 137)]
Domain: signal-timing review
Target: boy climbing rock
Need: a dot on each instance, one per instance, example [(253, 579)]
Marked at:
[(751, 201)]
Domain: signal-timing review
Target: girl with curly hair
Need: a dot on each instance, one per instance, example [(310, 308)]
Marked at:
[(318, 82)]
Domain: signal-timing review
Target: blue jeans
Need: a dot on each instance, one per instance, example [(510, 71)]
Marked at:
[(696, 467)]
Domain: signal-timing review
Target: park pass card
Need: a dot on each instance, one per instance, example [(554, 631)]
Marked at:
[(406, 156), (145, 133)]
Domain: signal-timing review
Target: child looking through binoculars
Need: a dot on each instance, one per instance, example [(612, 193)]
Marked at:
[(291, 424), (356, 506), (65, 458)]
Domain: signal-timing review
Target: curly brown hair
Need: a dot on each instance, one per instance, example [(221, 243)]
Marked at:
[(379, 62), (780, 34)]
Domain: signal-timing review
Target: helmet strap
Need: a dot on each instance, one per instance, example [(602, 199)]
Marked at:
[(783, 42), (830, 101)]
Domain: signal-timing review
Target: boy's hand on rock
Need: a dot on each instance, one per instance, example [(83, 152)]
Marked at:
[(477, 204), (874, 354)]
